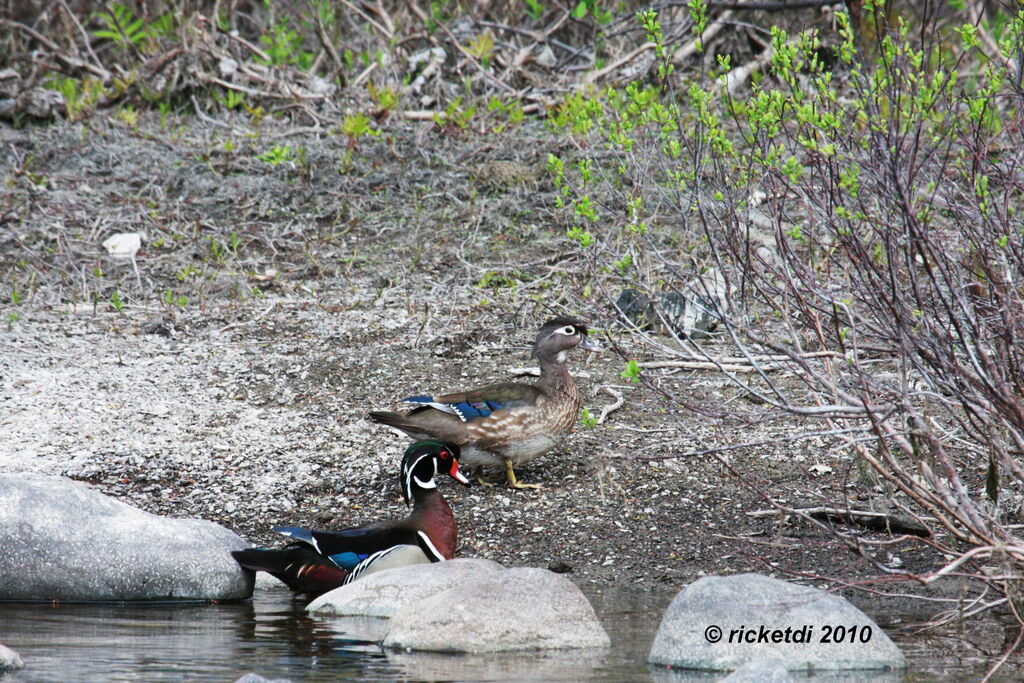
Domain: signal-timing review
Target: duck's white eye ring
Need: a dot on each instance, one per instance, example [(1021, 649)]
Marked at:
[(568, 330)]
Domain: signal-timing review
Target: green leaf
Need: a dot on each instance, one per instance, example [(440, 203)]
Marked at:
[(632, 372)]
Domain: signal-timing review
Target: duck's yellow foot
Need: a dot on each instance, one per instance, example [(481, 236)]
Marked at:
[(480, 477), (515, 483)]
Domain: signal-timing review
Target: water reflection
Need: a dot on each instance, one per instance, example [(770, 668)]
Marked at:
[(273, 636), (663, 675), (583, 665)]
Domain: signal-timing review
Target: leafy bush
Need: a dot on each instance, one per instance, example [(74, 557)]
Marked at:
[(862, 209)]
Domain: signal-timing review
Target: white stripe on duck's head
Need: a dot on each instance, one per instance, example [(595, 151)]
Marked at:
[(560, 335), (423, 460)]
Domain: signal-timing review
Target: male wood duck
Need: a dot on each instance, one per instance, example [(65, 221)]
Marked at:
[(319, 561), (506, 424)]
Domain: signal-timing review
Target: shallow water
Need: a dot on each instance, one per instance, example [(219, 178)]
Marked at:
[(272, 636)]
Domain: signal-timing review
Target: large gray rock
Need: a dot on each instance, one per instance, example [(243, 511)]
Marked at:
[(385, 593), (64, 541), (9, 660), (515, 609), (720, 623)]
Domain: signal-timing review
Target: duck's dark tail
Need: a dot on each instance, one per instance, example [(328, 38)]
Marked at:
[(298, 565), (425, 423), (391, 419)]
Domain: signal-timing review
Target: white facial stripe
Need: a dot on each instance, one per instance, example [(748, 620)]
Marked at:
[(410, 477), (433, 552)]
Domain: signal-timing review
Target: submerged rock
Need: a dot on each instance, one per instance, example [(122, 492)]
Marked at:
[(720, 623), (9, 660), (523, 608), (65, 541)]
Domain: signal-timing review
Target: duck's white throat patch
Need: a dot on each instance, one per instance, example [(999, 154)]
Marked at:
[(428, 484)]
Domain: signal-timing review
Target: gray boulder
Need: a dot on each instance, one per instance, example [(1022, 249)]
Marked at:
[(515, 609), (720, 623), (9, 660), (66, 541), (384, 594)]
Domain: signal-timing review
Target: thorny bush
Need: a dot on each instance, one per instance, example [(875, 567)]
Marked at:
[(860, 213)]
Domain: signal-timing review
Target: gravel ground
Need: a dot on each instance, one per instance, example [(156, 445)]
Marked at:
[(272, 306)]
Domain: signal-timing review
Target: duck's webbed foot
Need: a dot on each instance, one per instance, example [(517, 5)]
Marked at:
[(513, 481)]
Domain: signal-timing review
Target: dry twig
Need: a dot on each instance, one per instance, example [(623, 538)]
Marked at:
[(611, 407)]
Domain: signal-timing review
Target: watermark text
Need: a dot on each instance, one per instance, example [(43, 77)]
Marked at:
[(808, 633)]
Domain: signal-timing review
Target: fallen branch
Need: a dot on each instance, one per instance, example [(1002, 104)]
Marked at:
[(473, 60), (58, 52), (625, 59), (983, 552), (678, 57), (737, 363), (684, 52), (876, 521), (327, 43), (735, 79), (706, 365)]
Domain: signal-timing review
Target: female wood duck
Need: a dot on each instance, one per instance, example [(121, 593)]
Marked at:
[(319, 561), (506, 424)]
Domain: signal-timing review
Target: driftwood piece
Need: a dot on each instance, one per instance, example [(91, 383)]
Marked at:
[(739, 364), (875, 521)]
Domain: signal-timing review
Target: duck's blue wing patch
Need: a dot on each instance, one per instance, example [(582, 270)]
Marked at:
[(345, 559), (348, 560), (471, 410), (467, 411)]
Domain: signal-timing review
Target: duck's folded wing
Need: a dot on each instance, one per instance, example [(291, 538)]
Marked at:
[(478, 403), (349, 547)]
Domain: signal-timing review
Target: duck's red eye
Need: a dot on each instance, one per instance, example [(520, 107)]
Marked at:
[(444, 454)]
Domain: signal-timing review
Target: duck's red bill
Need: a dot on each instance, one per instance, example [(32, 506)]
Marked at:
[(456, 474)]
